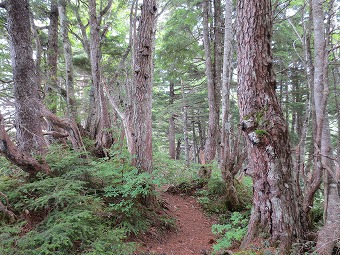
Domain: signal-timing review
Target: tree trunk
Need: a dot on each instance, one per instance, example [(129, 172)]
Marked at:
[(52, 58), (172, 138), (274, 209), (210, 144), (28, 116), (19, 158), (185, 127), (143, 76), (229, 154), (329, 234), (218, 69), (194, 142), (178, 149), (64, 28), (172, 130), (101, 124)]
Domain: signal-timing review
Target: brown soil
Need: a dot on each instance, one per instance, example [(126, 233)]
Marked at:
[(193, 230)]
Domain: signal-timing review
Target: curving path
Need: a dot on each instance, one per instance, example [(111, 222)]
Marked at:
[(193, 235)]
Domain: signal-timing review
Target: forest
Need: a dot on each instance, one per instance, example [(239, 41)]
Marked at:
[(159, 127)]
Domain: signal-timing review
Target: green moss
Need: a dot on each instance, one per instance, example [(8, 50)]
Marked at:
[(261, 132)]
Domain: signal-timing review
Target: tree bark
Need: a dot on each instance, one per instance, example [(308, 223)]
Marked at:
[(274, 210), (210, 144), (64, 28), (231, 159), (143, 76), (329, 234), (101, 124), (178, 148), (185, 127), (52, 58), (18, 157), (28, 116), (172, 130)]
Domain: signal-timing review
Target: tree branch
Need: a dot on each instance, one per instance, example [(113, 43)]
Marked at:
[(68, 125), (4, 208), (25, 161)]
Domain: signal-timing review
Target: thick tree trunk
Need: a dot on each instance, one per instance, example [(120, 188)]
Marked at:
[(101, 124), (274, 209), (143, 75), (19, 158), (28, 116)]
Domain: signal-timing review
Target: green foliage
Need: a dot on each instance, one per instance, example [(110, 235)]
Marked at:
[(50, 193), (86, 206), (261, 132), (175, 172), (214, 198), (230, 232), (126, 199)]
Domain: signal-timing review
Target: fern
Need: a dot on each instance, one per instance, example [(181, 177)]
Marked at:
[(231, 232)]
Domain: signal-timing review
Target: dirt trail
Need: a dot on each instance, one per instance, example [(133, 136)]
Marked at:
[(193, 235)]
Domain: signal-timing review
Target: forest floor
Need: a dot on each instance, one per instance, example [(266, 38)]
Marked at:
[(192, 234)]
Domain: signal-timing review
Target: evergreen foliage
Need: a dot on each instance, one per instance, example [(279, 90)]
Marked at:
[(232, 231), (88, 206)]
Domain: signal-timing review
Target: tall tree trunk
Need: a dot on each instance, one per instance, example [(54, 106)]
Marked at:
[(229, 154), (194, 142), (172, 130), (143, 76), (218, 68), (52, 58), (329, 234), (178, 149), (210, 144), (26, 83), (185, 127), (274, 210), (101, 124), (64, 28)]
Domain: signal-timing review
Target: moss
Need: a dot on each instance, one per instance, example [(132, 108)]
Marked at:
[(261, 132)]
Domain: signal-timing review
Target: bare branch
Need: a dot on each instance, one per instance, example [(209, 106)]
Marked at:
[(26, 162), (4, 208), (3, 81)]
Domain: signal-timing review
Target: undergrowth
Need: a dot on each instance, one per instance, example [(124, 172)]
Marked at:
[(231, 232), (87, 206)]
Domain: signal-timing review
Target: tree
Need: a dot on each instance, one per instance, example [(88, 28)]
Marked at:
[(52, 57), (101, 120), (69, 70), (330, 232), (213, 73), (232, 156), (172, 128), (142, 86), (274, 210), (27, 102), (26, 83)]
